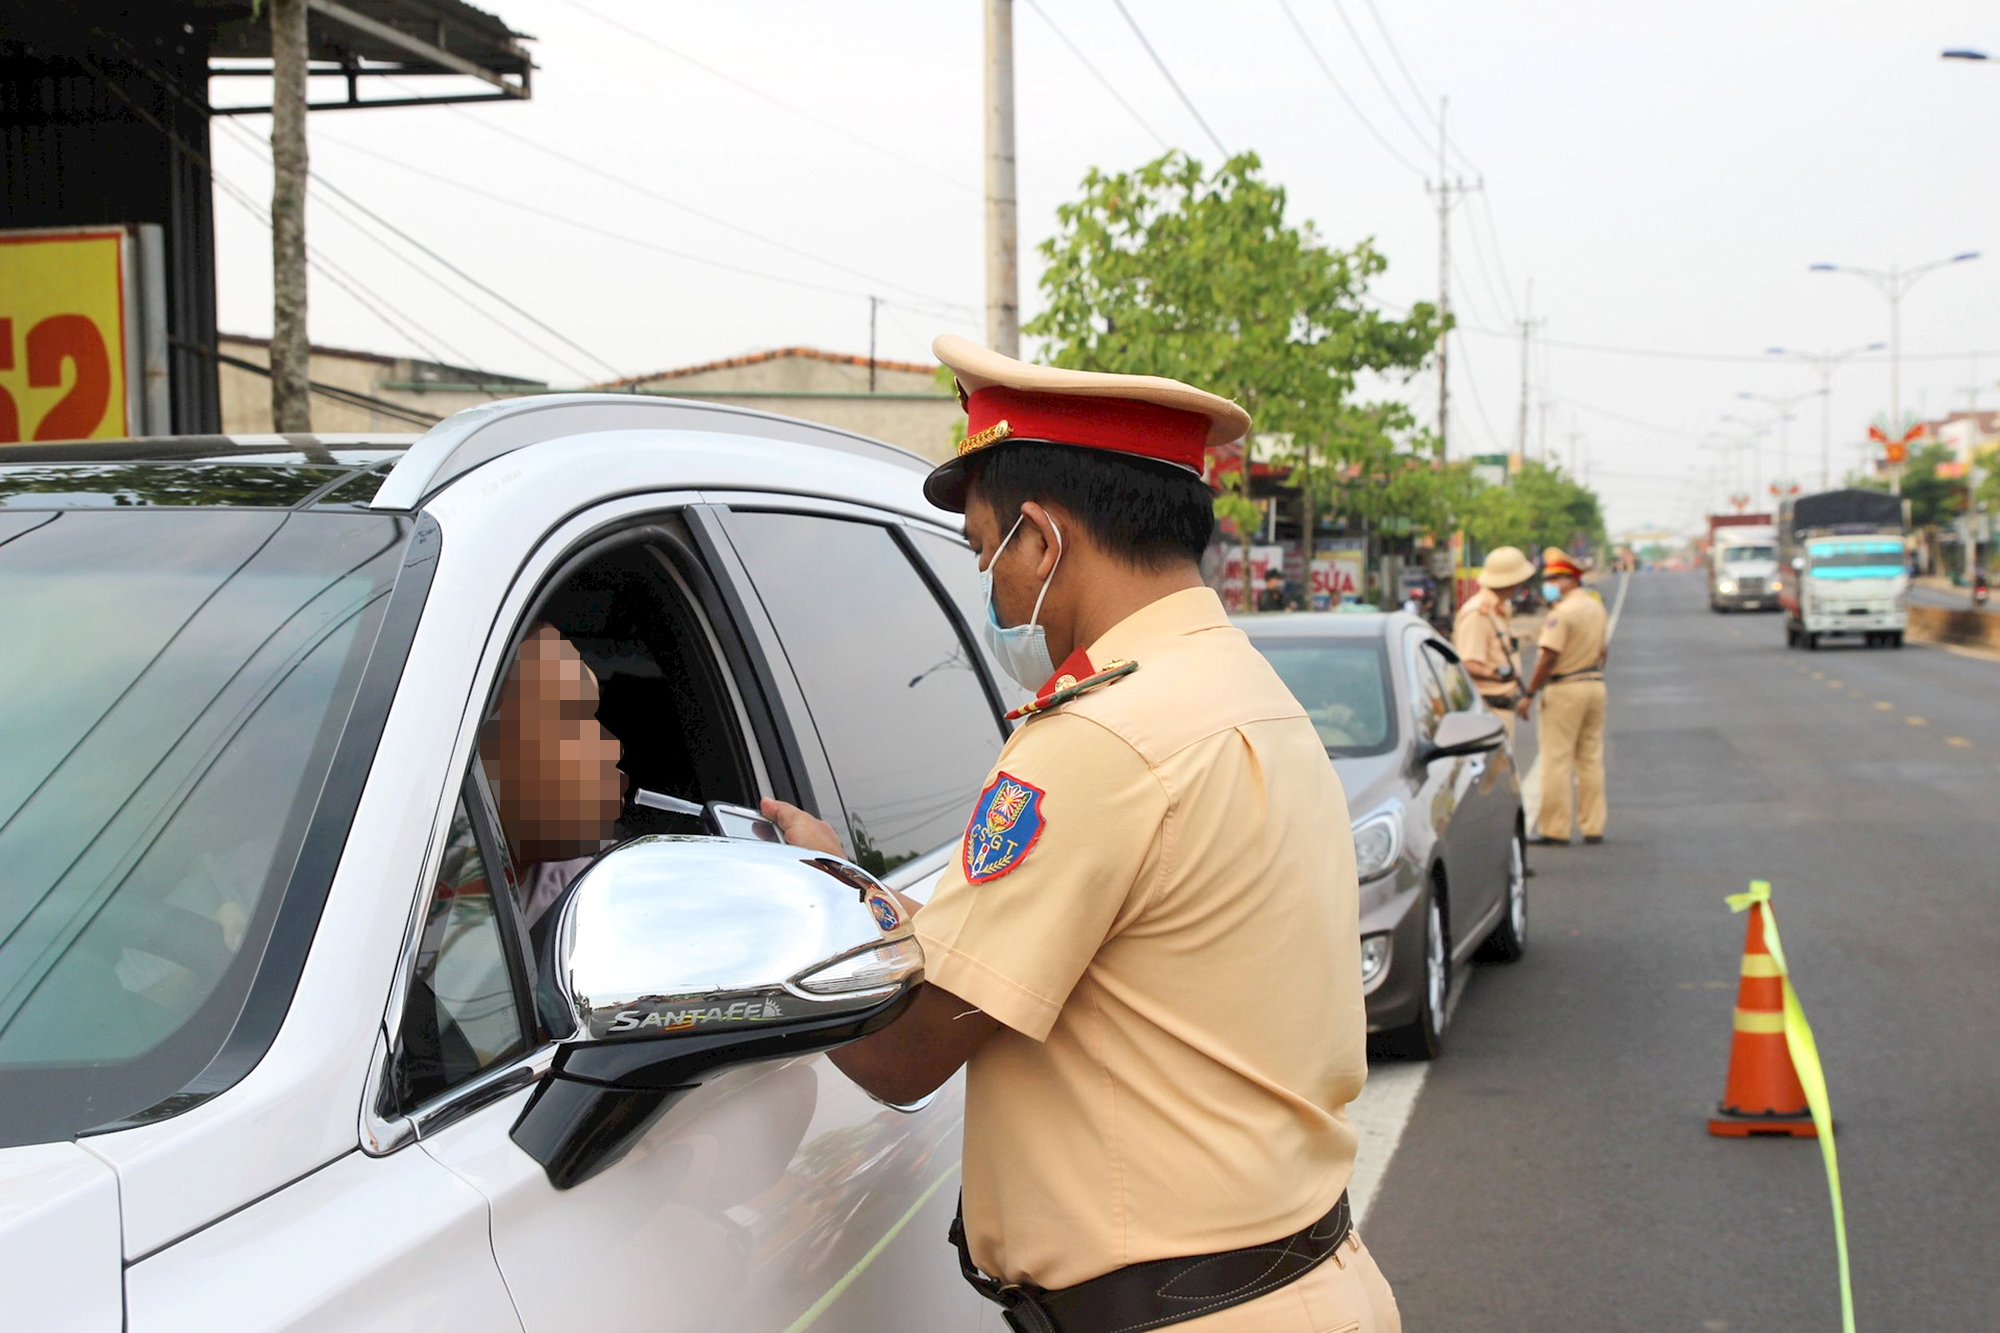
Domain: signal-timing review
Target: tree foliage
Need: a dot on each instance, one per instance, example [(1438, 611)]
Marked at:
[(1538, 507), (1170, 270)]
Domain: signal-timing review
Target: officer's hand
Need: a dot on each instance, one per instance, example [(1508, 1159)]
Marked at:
[(1520, 708), (801, 829)]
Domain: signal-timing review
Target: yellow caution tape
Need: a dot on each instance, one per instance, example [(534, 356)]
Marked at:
[(1805, 1060)]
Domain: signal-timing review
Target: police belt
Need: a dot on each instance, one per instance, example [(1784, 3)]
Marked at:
[(1582, 674), (1162, 1291)]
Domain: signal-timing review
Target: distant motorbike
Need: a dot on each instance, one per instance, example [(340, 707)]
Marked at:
[(1979, 588)]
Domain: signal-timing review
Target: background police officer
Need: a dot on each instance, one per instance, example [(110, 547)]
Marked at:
[(1569, 679), (1147, 954)]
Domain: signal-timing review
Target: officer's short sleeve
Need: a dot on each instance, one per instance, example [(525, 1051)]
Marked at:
[(1064, 838), (1555, 633)]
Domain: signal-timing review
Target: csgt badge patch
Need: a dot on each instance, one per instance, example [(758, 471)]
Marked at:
[(1004, 827)]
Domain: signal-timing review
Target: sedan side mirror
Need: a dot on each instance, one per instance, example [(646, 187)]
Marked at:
[(1462, 734), (674, 957)]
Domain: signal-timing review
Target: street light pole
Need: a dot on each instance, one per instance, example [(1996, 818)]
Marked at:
[(1825, 363), (1782, 403), (1894, 282)]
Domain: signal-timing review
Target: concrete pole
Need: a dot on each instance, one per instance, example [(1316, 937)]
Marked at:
[(1444, 283), (291, 350), (1825, 424), (1896, 376), (1003, 288)]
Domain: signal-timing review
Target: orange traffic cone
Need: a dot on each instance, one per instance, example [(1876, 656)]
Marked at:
[(1762, 1095)]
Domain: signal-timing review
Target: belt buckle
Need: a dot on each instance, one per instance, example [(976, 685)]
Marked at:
[(1023, 1310)]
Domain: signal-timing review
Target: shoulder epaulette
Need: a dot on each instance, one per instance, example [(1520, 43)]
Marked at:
[(1064, 693)]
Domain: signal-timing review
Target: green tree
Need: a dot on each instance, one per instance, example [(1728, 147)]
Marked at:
[(1538, 507), (1171, 270)]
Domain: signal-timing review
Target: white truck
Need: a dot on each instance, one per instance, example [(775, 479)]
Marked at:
[(1743, 569), (1844, 570)]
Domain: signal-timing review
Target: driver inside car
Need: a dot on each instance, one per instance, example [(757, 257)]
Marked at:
[(553, 768)]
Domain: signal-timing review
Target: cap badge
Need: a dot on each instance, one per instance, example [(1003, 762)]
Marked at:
[(993, 434)]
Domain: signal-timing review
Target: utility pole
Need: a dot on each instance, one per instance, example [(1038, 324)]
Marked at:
[(1527, 331), (1443, 191), (1003, 295), (873, 301), (291, 349)]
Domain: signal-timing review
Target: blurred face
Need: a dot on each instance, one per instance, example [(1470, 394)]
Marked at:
[(553, 767)]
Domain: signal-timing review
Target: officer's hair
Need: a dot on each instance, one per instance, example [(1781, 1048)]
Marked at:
[(1154, 515)]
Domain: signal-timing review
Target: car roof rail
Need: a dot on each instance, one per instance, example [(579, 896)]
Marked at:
[(188, 448), (476, 435)]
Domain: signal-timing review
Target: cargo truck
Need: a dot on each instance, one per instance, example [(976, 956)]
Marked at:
[(1842, 561), (1743, 568)]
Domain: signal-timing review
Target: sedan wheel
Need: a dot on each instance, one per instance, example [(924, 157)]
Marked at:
[(1509, 939), (1422, 1038)]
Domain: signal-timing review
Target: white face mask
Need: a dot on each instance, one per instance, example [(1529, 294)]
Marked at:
[(1022, 650)]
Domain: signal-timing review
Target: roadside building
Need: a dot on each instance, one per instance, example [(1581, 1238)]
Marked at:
[(898, 401), (356, 391)]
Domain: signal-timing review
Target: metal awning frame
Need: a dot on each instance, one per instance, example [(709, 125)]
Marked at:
[(425, 59)]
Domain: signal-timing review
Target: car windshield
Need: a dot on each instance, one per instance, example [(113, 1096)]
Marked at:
[(1343, 685), (1876, 557), (172, 685), (1737, 555)]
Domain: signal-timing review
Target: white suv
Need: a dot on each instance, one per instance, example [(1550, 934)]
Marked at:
[(279, 1047)]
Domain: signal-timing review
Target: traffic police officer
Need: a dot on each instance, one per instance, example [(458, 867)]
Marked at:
[(1147, 952), (1569, 678), (1483, 636)]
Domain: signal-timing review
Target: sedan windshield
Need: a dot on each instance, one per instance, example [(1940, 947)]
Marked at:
[(172, 686), (1343, 685)]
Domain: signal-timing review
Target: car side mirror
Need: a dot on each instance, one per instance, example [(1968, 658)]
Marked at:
[(1463, 734), (1798, 562), (674, 957)]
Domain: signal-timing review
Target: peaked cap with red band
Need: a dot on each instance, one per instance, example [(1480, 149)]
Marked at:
[(1555, 560), (1011, 402)]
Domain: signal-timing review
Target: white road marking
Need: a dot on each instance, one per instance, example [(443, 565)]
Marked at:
[(1383, 1109), (1389, 1098), (1617, 610)]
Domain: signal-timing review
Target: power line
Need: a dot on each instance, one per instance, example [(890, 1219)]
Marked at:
[(571, 159), (1479, 404), (763, 96), (1632, 421), (1097, 74), (1395, 103), (334, 205), (1416, 91), (1353, 106), (1166, 74), (931, 307)]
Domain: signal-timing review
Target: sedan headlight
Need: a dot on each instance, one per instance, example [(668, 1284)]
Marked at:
[(1378, 841)]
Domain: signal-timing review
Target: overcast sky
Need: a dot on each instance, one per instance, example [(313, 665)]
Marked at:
[(1663, 175)]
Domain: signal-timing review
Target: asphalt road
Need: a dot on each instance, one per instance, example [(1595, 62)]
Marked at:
[(1555, 1173)]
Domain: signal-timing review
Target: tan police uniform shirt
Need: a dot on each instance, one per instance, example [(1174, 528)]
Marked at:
[(1480, 635), (1575, 633), (1157, 898)]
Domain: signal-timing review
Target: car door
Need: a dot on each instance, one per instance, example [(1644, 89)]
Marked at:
[(1441, 783), (772, 1191), (1485, 814)]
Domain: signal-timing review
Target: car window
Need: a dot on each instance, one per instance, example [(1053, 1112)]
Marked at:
[(462, 1016), (173, 687), (1427, 696), (957, 570), (1343, 685), (1458, 691), (901, 711)]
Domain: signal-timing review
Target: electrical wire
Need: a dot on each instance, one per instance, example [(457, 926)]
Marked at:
[(569, 158), (1416, 91), (1097, 74), (763, 96), (1395, 102), (1478, 403), (1339, 88), (333, 204), (580, 224), (1632, 421), (1166, 74)]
